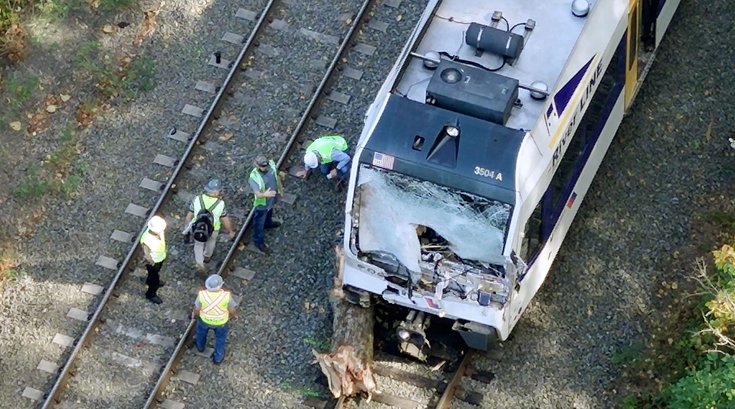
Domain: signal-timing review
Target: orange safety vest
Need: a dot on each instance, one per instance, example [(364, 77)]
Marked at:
[(214, 307)]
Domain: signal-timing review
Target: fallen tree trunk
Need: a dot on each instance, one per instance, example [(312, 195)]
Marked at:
[(348, 366)]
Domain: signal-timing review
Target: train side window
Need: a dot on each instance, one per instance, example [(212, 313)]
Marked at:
[(531, 242), (587, 133)]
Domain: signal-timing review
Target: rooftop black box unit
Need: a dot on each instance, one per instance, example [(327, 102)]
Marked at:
[(472, 91)]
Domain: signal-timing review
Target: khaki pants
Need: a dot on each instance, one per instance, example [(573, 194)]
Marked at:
[(202, 250)]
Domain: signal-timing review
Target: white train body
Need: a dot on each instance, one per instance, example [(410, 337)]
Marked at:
[(463, 185)]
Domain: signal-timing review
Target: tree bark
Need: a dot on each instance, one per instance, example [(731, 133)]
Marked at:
[(348, 366)]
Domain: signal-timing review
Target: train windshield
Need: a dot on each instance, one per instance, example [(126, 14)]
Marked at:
[(414, 220)]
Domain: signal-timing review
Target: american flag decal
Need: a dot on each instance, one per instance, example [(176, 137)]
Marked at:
[(570, 201), (382, 160)]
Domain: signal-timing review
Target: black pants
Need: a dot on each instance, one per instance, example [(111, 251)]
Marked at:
[(153, 280), (262, 217)]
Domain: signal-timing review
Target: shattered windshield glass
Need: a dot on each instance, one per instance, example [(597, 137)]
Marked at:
[(393, 206)]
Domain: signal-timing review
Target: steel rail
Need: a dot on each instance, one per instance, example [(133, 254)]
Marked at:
[(451, 388), (52, 398), (184, 341)]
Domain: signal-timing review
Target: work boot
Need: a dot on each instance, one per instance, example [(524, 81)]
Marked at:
[(273, 225), (201, 271), (263, 248), (155, 299)]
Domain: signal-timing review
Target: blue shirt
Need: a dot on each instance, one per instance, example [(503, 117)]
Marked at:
[(340, 158)]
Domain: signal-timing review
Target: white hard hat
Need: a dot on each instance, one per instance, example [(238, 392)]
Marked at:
[(310, 160), (214, 282), (157, 224)]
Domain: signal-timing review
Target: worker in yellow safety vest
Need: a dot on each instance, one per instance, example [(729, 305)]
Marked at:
[(214, 307), (153, 241), (207, 213), (329, 154), (267, 189)]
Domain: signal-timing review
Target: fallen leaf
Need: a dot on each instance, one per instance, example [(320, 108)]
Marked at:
[(708, 132), (51, 109), (226, 137), (16, 125), (108, 28), (65, 97), (399, 18), (674, 286)]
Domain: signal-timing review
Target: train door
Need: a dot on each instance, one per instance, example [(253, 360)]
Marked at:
[(632, 47)]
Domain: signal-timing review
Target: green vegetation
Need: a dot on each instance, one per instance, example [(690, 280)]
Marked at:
[(33, 185), (12, 274), (9, 11), (698, 370), (628, 356), (112, 5), (20, 90), (710, 385), (319, 344), (123, 78), (60, 174), (302, 390), (56, 11)]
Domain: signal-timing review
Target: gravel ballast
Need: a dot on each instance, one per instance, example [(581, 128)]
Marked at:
[(599, 299)]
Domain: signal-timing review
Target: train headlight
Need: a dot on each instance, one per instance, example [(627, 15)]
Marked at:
[(403, 334), (452, 131)]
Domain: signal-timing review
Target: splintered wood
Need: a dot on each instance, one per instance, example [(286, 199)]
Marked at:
[(348, 366)]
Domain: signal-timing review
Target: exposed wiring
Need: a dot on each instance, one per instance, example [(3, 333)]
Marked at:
[(408, 91), (516, 25), (507, 24), (452, 20), (472, 63)]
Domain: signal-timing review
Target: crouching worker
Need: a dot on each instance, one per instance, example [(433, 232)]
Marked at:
[(329, 154), (214, 307)]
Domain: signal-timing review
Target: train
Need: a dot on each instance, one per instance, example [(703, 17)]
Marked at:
[(478, 150)]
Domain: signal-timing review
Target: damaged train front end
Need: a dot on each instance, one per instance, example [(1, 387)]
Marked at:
[(428, 214)]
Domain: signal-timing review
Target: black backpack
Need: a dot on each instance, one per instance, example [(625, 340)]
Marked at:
[(204, 224)]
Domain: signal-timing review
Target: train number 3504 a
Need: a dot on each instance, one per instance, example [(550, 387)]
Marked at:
[(488, 173)]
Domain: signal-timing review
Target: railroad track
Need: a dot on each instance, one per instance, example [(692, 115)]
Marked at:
[(249, 69), (415, 385)]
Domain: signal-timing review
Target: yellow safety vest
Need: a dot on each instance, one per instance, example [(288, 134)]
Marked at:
[(214, 307), (258, 178), (156, 244), (324, 145)]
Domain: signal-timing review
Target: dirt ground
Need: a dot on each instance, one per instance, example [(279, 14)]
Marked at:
[(49, 99)]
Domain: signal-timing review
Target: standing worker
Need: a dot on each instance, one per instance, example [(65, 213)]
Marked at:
[(329, 154), (214, 307), (267, 189), (153, 241), (210, 212)]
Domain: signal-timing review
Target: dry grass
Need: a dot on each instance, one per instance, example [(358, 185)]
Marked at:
[(13, 42)]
